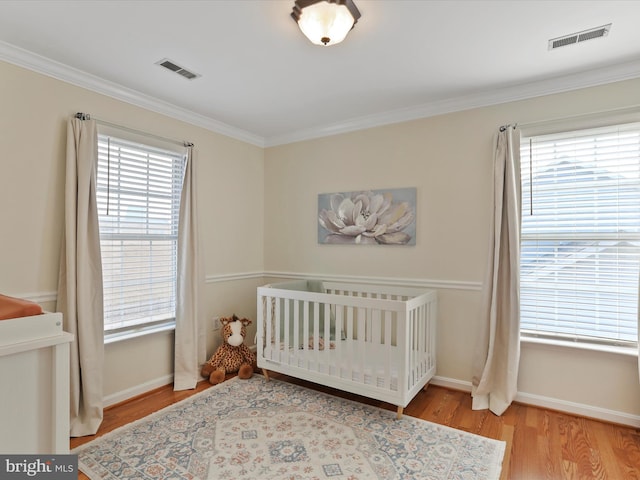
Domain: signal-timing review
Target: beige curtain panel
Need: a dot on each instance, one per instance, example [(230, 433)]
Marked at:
[(494, 383), (190, 349), (80, 279)]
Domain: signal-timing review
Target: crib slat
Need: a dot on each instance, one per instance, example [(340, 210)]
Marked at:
[(276, 350), (409, 350), (349, 364), (376, 325), (296, 328), (338, 337), (364, 319), (431, 316), (284, 349), (417, 354), (316, 336), (305, 338), (403, 350), (375, 343), (264, 327), (418, 348), (326, 354), (273, 309), (412, 357), (387, 349), (423, 341)]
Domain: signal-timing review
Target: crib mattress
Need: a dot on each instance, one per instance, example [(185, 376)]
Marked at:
[(350, 366)]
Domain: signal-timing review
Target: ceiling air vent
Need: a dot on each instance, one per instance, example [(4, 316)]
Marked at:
[(171, 65), (583, 36)]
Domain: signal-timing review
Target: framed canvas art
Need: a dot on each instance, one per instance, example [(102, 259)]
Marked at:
[(373, 217)]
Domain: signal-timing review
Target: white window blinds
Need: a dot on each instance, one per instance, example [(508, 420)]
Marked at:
[(138, 198), (581, 235)]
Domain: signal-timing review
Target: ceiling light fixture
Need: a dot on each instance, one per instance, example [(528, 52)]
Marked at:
[(325, 22)]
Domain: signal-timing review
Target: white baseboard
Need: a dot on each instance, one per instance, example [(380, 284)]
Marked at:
[(565, 406), (451, 383), (123, 395), (580, 409), (128, 393)]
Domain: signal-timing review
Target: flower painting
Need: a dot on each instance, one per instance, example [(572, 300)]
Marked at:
[(380, 217)]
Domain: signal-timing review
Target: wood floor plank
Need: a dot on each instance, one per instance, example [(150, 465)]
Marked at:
[(507, 433), (604, 446), (540, 444), (626, 448), (548, 445)]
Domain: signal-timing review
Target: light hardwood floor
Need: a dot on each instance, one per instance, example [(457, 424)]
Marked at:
[(541, 444)]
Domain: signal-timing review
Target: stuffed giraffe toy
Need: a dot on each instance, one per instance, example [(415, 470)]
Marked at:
[(233, 355)]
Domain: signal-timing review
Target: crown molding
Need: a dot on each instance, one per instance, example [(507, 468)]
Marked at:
[(600, 76), (37, 63), (591, 78)]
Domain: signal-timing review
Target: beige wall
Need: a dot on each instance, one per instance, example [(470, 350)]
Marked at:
[(33, 113), (258, 209), (449, 159)]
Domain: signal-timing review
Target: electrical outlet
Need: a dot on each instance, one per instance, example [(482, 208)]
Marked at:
[(215, 323)]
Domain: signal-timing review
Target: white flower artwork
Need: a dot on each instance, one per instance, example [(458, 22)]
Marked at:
[(374, 217)]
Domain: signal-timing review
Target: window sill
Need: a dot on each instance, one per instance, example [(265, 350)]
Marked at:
[(139, 332), (619, 350)]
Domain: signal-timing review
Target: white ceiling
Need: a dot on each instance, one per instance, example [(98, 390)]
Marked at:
[(264, 82)]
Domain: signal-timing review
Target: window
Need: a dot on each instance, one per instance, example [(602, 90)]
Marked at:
[(581, 235), (138, 196)]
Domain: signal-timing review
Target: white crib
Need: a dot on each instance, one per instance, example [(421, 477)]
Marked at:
[(371, 340)]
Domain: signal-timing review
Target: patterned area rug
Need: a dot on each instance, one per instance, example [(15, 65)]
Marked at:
[(254, 429)]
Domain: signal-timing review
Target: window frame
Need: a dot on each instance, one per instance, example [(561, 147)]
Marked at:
[(150, 144), (579, 123)]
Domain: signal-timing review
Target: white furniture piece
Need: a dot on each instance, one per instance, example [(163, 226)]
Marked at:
[(371, 340), (34, 375)]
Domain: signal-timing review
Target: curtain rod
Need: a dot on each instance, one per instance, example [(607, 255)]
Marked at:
[(86, 116), (631, 109)]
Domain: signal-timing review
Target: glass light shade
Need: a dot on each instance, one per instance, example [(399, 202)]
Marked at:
[(326, 23)]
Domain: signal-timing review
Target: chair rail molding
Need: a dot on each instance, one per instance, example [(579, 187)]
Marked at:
[(38, 297), (405, 282)]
